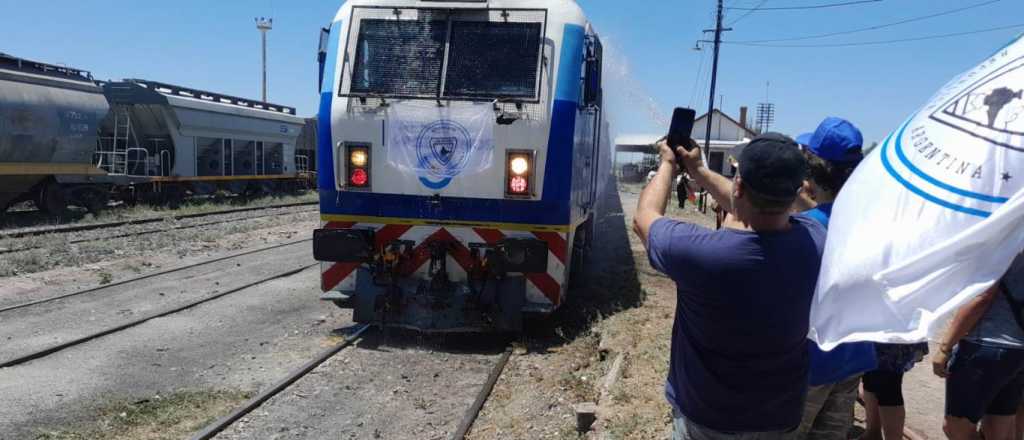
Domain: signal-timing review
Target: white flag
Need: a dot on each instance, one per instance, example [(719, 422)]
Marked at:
[(440, 142), (932, 217)]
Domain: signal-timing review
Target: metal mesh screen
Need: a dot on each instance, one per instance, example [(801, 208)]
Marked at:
[(401, 53), (493, 59), (399, 57)]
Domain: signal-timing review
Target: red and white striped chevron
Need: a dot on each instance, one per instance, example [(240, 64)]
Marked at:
[(544, 291)]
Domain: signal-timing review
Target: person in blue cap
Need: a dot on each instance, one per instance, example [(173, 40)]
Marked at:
[(832, 152)]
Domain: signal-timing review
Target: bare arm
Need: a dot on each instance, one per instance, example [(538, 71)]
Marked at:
[(718, 185), (962, 324), (654, 198)]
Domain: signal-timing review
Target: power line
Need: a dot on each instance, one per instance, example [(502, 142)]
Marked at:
[(876, 27), (872, 43), (791, 8), (749, 11), (697, 77)]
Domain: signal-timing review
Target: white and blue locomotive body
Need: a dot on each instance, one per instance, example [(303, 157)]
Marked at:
[(476, 229)]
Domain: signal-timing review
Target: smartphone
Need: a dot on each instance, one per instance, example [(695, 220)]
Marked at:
[(681, 128)]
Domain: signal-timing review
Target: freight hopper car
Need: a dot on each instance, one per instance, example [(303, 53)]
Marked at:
[(161, 142), (459, 145), (49, 119)]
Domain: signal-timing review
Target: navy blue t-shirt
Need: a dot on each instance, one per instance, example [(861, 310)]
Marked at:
[(739, 341)]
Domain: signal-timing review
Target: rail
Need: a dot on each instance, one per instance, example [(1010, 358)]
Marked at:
[(21, 359), (223, 423), (93, 226)]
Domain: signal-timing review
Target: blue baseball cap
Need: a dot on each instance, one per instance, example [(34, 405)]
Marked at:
[(835, 140)]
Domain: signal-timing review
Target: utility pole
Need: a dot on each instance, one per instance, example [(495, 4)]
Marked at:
[(714, 77), (264, 25)]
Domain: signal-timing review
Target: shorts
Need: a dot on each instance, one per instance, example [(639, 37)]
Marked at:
[(685, 429), (887, 386), (984, 380)]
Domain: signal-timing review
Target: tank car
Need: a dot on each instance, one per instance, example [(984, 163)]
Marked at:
[(49, 116)]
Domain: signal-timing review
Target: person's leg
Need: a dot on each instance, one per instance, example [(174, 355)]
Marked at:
[(816, 397), (977, 374), (1020, 422), (891, 413), (998, 423), (835, 418), (893, 419), (872, 421), (997, 427)]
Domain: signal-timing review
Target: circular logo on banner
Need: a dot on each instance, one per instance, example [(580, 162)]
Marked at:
[(947, 153), (443, 149)]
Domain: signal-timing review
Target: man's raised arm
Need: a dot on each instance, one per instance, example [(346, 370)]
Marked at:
[(654, 197)]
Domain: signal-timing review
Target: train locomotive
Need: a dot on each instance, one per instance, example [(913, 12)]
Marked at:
[(67, 139), (460, 144)]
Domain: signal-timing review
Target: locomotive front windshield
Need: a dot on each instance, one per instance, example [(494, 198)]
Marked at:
[(406, 58), (399, 57), (493, 59)]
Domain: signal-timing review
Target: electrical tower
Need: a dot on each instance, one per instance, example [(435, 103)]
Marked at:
[(264, 25), (765, 116)]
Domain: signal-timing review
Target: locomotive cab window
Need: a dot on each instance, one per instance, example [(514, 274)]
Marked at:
[(442, 54), (493, 59), (399, 57)]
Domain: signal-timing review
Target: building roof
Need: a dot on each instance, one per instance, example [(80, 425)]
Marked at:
[(750, 132)]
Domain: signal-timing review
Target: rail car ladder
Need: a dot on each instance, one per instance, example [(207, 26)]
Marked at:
[(122, 131)]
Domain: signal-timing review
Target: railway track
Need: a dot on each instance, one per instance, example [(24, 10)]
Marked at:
[(356, 334), (481, 397), (29, 232), (81, 339), (147, 276), (155, 231), (223, 423)]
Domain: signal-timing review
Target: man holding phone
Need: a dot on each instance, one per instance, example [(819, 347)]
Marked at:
[(739, 361)]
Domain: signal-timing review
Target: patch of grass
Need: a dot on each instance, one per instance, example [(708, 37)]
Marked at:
[(105, 277), (33, 260), (161, 417), (569, 433)]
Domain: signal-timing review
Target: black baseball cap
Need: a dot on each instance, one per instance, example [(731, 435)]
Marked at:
[(773, 166)]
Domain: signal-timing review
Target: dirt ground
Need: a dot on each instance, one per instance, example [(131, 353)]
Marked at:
[(167, 377)]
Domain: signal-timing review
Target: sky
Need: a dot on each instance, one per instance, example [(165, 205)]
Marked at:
[(650, 65)]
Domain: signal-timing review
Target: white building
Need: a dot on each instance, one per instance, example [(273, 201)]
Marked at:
[(726, 133)]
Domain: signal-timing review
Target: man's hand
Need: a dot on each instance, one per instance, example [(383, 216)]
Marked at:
[(692, 159), (667, 155), (940, 362)]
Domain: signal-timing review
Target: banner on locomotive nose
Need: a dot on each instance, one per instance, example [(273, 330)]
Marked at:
[(440, 141), (933, 216)]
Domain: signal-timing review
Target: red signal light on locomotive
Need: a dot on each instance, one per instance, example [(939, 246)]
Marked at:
[(519, 173), (359, 177), (357, 163)]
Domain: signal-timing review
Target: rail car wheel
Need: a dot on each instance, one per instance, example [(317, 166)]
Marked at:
[(95, 199), (52, 200), (172, 196)]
